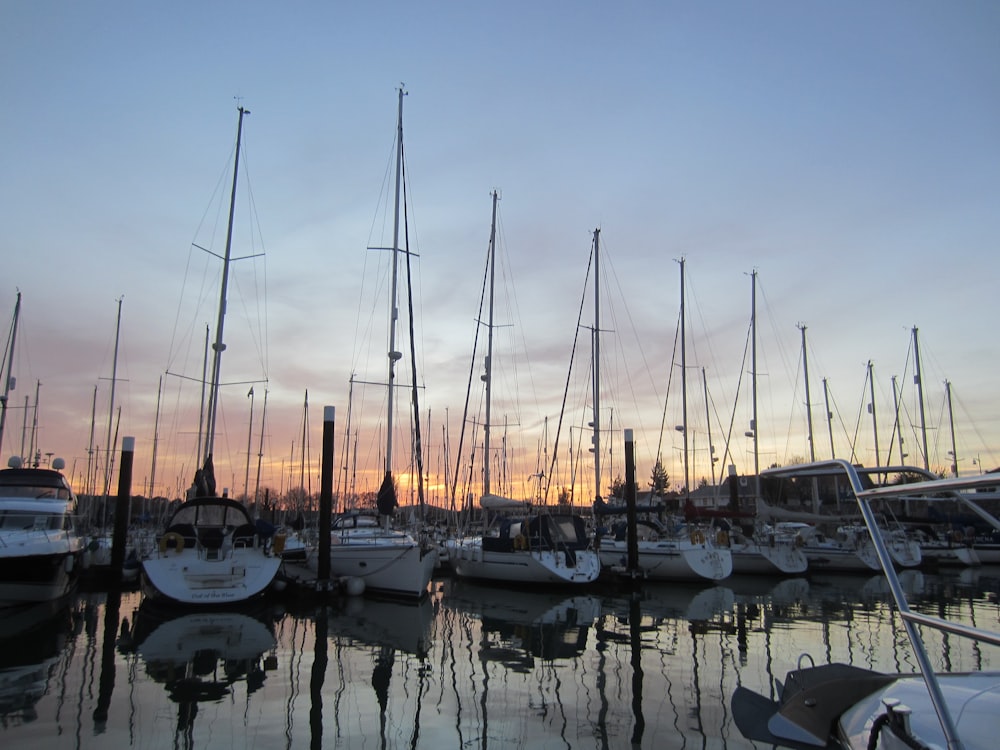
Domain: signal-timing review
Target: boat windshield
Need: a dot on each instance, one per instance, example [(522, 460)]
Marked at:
[(211, 515), (564, 529), (34, 491), (24, 521)]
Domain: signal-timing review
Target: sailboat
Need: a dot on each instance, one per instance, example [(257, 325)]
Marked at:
[(211, 552), (762, 548), (365, 551), (523, 545), (670, 551)]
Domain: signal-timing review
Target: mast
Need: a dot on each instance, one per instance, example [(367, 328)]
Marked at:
[(246, 478), (897, 426), (32, 446), (951, 423), (260, 449), (753, 368), (8, 381), (91, 483), (156, 438), (829, 417), (24, 430), (920, 395), (871, 405), (708, 428), (394, 356), (346, 488), (218, 347), (204, 386), (111, 405), (805, 375), (305, 443), (596, 440), (488, 373), (684, 403)]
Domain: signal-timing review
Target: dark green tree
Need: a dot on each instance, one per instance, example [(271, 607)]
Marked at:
[(659, 480)]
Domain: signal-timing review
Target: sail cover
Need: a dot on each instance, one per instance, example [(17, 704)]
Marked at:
[(386, 501)]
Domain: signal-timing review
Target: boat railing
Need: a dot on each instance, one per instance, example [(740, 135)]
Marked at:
[(938, 488)]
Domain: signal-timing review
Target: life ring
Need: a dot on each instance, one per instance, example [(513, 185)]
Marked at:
[(165, 542), (697, 537), (520, 542), (722, 538), (279, 543)]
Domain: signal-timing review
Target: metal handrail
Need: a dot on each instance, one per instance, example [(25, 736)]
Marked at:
[(911, 619)]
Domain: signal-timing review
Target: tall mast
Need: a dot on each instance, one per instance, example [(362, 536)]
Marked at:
[(871, 405), (218, 347), (951, 423), (920, 395), (708, 429), (753, 379), (805, 375), (305, 443), (597, 366), (347, 489), (204, 386), (394, 356), (111, 405), (488, 373), (91, 483), (684, 401), (829, 417), (260, 449), (32, 446), (8, 381), (156, 439), (246, 477), (897, 426)]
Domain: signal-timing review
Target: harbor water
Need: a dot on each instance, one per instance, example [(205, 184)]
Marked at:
[(470, 666)]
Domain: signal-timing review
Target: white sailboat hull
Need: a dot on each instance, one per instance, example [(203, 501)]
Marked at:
[(753, 558), (193, 577), (841, 559), (392, 569), (671, 560), (533, 566)]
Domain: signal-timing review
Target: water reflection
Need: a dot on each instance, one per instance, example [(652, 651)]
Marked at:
[(469, 666), (200, 657), (32, 638), (517, 627)]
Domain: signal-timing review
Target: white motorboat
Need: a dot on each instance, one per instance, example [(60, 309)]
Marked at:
[(842, 705), (211, 554), (41, 552)]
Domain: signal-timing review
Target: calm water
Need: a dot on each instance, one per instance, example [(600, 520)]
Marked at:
[(470, 667)]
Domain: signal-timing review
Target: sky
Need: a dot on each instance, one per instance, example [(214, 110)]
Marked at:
[(837, 162)]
